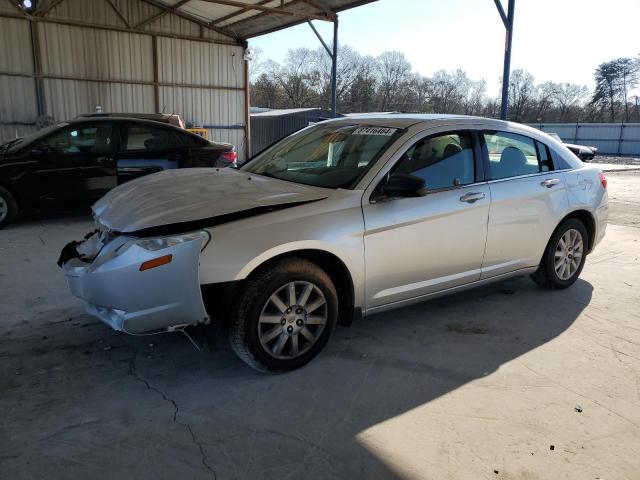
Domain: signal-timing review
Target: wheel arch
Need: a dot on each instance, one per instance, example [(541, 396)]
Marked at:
[(587, 220), (16, 198), (335, 268)]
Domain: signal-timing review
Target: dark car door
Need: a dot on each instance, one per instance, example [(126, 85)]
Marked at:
[(74, 163), (145, 149)]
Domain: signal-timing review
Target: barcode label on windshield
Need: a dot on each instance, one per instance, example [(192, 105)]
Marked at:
[(384, 131)]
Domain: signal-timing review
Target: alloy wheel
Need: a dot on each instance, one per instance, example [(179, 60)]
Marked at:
[(568, 254), (292, 320)]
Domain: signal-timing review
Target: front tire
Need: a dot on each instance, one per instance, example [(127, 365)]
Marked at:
[(564, 256), (8, 207), (284, 316)]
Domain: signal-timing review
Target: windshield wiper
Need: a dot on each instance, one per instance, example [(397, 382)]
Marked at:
[(8, 145)]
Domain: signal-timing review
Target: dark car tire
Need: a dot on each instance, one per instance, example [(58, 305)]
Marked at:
[(547, 275), (254, 300), (8, 207)]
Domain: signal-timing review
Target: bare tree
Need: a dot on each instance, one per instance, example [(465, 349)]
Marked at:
[(297, 77), (568, 95), (393, 70), (386, 82), (521, 91)]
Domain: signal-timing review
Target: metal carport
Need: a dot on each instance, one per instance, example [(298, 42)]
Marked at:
[(61, 58)]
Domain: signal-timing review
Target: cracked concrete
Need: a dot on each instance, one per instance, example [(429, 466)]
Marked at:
[(456, 388), (176, 409)]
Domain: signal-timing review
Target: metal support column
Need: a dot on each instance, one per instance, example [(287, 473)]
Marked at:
[(156, 74), (334, 71), (333, 54), (507, 19), (41, 105)]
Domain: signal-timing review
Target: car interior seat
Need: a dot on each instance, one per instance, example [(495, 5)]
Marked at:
[(512, 163)]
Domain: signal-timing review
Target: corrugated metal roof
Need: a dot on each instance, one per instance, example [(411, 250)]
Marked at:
[(243, 21)]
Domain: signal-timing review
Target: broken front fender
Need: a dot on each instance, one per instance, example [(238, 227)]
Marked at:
[(141, 285)]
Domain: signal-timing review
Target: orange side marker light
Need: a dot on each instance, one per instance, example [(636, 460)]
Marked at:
[(156, 262)]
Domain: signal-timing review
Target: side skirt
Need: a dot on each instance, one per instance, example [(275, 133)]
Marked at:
[(411, 301)]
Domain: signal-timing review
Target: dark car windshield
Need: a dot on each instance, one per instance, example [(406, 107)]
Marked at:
[(325, 155), (18, 143)]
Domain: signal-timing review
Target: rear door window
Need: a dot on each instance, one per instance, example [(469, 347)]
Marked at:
[(511, 155), (150, 139), (443, 161)]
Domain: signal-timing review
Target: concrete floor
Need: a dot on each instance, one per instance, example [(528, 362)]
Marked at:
[(483, 384)]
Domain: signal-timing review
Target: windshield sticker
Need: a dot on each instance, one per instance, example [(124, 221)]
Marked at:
[(383, 131)]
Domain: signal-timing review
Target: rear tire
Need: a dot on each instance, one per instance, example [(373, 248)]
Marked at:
[(283, 316), (564, 256), (8, 207)]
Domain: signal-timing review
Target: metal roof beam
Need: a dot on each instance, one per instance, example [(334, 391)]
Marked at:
[(318, 7), (160, 14), (320, 38), (235, 14), (278, 11), (193, 19), (119, 13), (503, 15)]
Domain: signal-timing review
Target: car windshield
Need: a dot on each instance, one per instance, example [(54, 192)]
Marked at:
[(18, 143), (325, 155)]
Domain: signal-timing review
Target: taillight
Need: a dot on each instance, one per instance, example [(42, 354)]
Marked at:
[(231, 157), (603, 180)]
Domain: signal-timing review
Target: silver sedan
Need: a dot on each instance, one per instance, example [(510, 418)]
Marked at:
[(338, 221)]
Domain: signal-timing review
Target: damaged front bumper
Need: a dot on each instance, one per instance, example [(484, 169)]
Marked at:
[(137, 285)]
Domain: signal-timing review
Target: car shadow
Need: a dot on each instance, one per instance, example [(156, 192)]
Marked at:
[(155, 407)]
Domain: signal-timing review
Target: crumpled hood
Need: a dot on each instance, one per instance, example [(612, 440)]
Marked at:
[(191, 194)]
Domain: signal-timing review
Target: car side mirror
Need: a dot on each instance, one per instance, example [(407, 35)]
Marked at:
[(404, 185)]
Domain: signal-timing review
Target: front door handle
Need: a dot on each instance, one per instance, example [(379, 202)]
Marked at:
[(472, 197), (550, 182)]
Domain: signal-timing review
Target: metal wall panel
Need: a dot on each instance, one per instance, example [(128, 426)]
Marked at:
[(66, 99), (204, 106), (235, 137), (17, 100), (15, 46), (610, 138), (7, 132), (92, 53), (198, 63), (268, 129)]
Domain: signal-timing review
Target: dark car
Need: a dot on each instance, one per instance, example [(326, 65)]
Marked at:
[(80, 160), (583, 152), (170, 118)]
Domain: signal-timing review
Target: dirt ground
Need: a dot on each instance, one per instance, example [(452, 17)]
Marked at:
[(503, 382), (624, 198)]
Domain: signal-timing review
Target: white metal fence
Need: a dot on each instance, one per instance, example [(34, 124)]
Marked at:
[(610, 138)]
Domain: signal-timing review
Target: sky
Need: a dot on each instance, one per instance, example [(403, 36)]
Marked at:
[(556, 40)]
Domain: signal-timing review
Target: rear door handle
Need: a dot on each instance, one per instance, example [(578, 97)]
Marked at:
[(550, 182), (472, 197)]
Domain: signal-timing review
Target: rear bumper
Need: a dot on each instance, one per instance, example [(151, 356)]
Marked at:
[(601, 216), (134, 301)]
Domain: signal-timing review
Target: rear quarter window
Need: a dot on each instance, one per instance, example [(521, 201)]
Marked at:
[(559, 163)]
